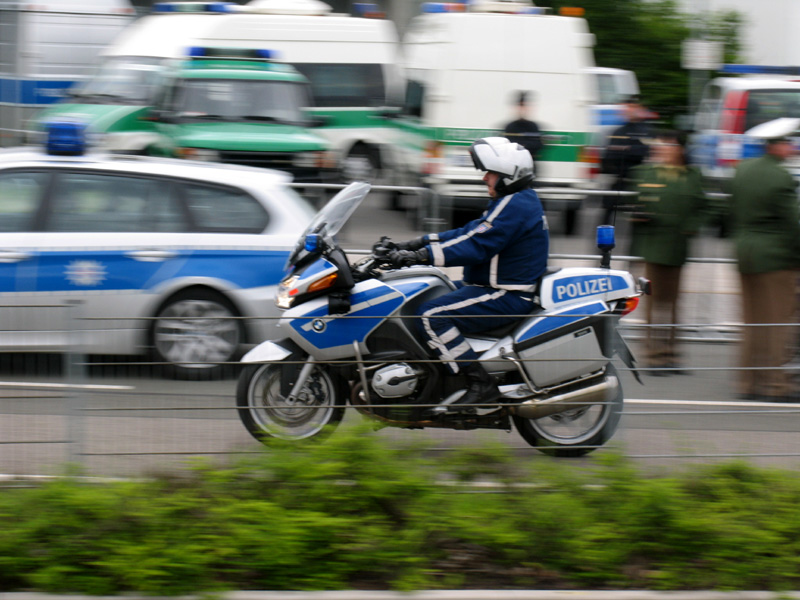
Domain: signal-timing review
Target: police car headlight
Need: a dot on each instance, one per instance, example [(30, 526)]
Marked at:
[(287, 291), (203, 154)]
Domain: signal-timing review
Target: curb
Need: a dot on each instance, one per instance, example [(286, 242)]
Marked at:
[(441, 595)]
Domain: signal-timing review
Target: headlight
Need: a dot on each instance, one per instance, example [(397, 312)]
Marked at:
[(203, 154), (284, 298), (314, 160), (307, 160)]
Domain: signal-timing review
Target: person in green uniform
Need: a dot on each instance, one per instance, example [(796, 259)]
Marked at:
[(667, 213), (765, 225)]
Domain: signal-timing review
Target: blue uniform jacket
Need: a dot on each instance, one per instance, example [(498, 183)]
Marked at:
[(506, 248)]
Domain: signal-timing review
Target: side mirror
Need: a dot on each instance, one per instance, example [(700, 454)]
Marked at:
[(319, 120), (157, 115)]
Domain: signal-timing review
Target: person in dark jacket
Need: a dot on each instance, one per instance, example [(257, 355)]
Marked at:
[(504, 252), (766, 235), (523, 131), (626, 148), (667, 213)]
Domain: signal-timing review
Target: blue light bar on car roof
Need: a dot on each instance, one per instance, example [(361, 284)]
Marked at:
[(232, 53), (363, 9), (443, 7), (759, 70), (66, 138), (193, 7)]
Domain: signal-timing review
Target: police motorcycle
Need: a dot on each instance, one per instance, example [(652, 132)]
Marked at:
[(351, 337)]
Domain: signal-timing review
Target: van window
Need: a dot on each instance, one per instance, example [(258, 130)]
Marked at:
[(241, 99), (766, 105), (134, 80), (607, 89), (345, 84), (415, 98), (708, 112)]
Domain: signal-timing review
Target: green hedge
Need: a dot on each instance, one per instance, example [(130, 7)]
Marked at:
[(356, 512)]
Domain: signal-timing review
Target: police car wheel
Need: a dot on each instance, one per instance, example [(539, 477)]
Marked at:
[(196, 334), (575, 432)]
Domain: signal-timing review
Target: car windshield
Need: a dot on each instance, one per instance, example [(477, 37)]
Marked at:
[(242, 100), (134, 80), (333, 215), (767, 105)]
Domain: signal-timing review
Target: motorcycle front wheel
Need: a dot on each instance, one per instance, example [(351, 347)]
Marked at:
[(267, 414), (574, 432)]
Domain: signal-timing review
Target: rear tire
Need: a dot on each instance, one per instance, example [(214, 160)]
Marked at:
[(266, 414), (575, 432), (197, 335)]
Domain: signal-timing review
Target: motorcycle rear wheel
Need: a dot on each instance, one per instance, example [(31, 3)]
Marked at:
[(266, 414), (575, 432)]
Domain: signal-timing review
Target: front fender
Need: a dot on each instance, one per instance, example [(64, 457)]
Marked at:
[(272, 352)]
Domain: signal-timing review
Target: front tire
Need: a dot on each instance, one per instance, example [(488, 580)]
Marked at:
[(266, 414), (574, 432), (362, 163)]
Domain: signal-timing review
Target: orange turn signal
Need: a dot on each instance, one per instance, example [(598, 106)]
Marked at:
[(628, 305), (323, 284), (571, 11)]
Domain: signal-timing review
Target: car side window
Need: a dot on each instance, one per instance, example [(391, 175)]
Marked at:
[(224, 210), (113, 203), (21, 194)]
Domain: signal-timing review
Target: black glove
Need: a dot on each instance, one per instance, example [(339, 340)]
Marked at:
[(415, 244), (405, 258)]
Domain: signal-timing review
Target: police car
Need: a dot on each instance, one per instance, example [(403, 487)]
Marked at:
[(123, 255), (732, 106)]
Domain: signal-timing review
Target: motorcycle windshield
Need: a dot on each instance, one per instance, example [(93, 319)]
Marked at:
[(332, 217)]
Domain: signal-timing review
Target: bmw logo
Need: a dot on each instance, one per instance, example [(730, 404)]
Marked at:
[(318, 325)]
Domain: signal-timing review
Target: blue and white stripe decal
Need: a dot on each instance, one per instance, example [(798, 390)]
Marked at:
[(368, 309), (561, 319), (33, 92), (114, 271), (609, 115), (411, 288)]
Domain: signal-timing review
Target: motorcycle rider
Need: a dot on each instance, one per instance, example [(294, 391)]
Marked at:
[(504, 252)]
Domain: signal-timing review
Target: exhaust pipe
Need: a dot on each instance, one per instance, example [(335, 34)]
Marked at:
[(593, 394)]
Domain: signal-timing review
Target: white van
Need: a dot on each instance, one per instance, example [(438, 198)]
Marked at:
[(45, 47), (351, 62), (613, 87), (464, 63)]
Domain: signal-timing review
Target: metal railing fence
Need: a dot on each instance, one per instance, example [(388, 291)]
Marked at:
[(119, 416)]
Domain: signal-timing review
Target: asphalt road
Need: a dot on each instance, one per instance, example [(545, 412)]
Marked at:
[(129, 422)]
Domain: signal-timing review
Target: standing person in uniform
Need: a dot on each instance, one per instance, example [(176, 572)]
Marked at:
[(625, 150), (504, 252), (766, 235), (668, 211), (522, 130)]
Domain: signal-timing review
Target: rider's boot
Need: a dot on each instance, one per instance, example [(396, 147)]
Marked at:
[(481, 389)]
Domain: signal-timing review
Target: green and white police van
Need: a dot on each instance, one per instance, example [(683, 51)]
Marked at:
[(465, 62), (350, 61), (224, 105)]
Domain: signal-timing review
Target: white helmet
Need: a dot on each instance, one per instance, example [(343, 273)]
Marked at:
[(509, 160)]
